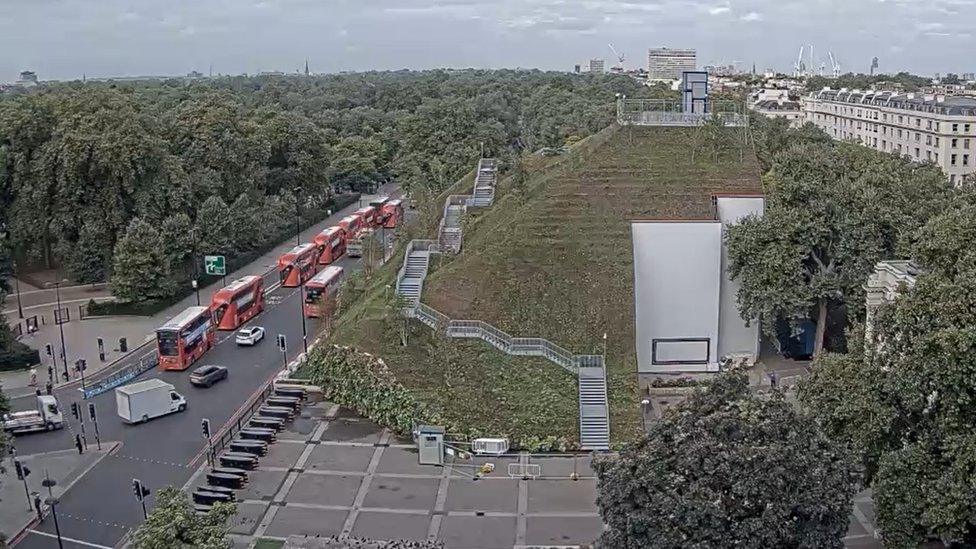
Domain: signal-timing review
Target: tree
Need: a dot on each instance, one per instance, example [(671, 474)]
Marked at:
[(728, 468), (214, 228), (140, 271), (173, 524), (88, 258), (831, 214), (906, 403), (177, 236)]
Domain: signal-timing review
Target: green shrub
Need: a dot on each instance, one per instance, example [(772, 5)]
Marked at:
[(18, 357), (363, 382)]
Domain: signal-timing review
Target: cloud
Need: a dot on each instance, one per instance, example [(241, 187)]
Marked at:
[(752, 16), (718, 10)]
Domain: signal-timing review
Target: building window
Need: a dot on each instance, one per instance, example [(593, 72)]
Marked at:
[(936, 158), (937, 125), (965, 160), (928, 155), (955, 143), (955, 128), (937, 141), (952, 179), (928, 124), (928, 139), (916, 152), (966, 128), (918, 137), (884, 145), (875, 143), (899, 133), (918, 122), (899, 119), (952, 160), (965, 143)]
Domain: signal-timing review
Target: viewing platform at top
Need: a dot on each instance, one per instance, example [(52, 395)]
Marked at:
[(671, 112)]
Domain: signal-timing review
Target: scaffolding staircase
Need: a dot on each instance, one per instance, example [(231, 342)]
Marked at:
[(594, 420)]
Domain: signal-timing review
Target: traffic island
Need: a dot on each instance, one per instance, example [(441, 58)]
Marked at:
[(65, 467)]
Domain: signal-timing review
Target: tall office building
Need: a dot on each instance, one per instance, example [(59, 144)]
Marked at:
[(668, 64), (596, 65)]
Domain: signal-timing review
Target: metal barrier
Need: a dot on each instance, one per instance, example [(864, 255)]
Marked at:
[(238, 420), (145, 362)]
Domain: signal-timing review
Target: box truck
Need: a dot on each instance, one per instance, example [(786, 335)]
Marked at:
[(145, 400), (46, 416)]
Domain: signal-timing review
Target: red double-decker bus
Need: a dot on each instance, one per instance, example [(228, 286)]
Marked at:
[(238, 302), (391, 214), (298, 265), (184, 338), (352, 224), (370, 215), (321, 291), (331, 243)]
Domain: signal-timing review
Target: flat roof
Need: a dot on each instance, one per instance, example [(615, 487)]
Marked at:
[(187, 315), (326, 275), (241, 282), (143, 386), (953, 105), (301, 248)]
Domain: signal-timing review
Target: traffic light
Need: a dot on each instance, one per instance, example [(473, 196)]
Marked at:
[(91, 411), (282, 343), (139, 490), (81, 364), (22, 470), (74, 410), (205, 424), (49, 350)]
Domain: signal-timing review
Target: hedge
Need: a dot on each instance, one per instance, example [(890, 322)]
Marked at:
[(18, 357), (149, 308)]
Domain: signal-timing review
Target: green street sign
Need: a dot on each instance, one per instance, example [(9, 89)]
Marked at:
[(214, 265)]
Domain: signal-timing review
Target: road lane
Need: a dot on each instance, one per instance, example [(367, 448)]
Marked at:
[(159, 452)]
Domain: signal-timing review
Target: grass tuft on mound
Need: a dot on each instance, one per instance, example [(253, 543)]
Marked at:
[(551, 258)]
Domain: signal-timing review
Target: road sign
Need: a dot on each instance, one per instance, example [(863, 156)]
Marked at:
[(214, 265)]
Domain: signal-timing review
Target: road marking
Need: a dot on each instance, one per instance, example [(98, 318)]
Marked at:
[(71, 540)]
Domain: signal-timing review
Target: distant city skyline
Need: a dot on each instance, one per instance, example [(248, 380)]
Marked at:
[(64, 39)]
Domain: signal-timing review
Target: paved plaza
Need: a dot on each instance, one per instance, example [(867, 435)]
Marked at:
[(334, 473)]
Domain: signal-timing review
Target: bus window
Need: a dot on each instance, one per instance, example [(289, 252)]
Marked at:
[(168, 343)]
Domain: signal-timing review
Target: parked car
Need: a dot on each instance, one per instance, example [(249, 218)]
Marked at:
[(205, 376), (250, 335)]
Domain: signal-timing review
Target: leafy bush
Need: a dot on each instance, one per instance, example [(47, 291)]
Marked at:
[(363, 382), (18, 356)]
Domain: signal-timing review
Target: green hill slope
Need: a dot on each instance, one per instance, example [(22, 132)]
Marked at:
[(552, 258)]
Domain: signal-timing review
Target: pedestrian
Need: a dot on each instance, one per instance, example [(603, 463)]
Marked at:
[(49, 388), (772, 379), (78, 444), (33, 377)]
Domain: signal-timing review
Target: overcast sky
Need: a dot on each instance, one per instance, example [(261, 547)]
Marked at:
[(63, 39)]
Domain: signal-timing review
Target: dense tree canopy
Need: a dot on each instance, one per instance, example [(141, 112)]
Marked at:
[(727, 468), (832, 212), (173, 524), (79, 161), (905, 402)]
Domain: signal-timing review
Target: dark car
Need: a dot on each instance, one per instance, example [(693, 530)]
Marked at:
[(205, 376)]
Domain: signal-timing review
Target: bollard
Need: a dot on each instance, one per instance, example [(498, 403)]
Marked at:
[(123, 345)]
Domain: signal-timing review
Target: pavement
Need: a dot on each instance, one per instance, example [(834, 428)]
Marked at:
[(165, 451), (335, 473), (64, 467), (81, 335)]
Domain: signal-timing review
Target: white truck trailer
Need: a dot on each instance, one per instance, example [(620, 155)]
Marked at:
[(45, 417), (145, 400)]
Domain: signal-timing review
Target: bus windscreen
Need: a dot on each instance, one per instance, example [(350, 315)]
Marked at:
[(168, 341)]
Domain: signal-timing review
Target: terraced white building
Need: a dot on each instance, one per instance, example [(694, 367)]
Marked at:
[(926, 128)]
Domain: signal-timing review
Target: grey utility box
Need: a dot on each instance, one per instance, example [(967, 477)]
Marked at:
[(430, 444)]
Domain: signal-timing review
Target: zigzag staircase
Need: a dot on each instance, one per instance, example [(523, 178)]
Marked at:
[(594, 422)]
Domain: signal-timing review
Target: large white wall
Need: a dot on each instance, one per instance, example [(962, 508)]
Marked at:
[(734, 337), (677, 279)]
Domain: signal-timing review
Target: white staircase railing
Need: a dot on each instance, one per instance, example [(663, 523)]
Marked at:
[(590, 369)]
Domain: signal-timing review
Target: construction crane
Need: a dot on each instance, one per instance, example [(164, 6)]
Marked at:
[(619, 56), (798, 68), (834, 65)]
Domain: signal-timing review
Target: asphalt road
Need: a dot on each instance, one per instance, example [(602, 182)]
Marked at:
[(100, 508)]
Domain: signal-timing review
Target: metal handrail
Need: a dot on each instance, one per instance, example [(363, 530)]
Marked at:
[(516, 346)]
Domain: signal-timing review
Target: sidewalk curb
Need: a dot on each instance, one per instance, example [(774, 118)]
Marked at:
[(74, 478)]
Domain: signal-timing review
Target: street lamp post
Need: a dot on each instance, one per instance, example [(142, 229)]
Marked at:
[(60, 321), (52, 502), (20, 308), (644, 404), (301, 279), (196, 273)]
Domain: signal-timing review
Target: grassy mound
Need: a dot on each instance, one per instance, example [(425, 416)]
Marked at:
[(552, 258)]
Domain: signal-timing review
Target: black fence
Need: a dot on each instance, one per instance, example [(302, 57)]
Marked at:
[(239, 420)]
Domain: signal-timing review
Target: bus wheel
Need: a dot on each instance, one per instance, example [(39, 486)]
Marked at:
[(145, 418)]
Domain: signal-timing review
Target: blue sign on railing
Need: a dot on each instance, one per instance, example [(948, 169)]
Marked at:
[(123, 376)]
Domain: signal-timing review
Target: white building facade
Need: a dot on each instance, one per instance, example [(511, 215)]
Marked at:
[(926, 128), (668, 64), (686, 316)]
